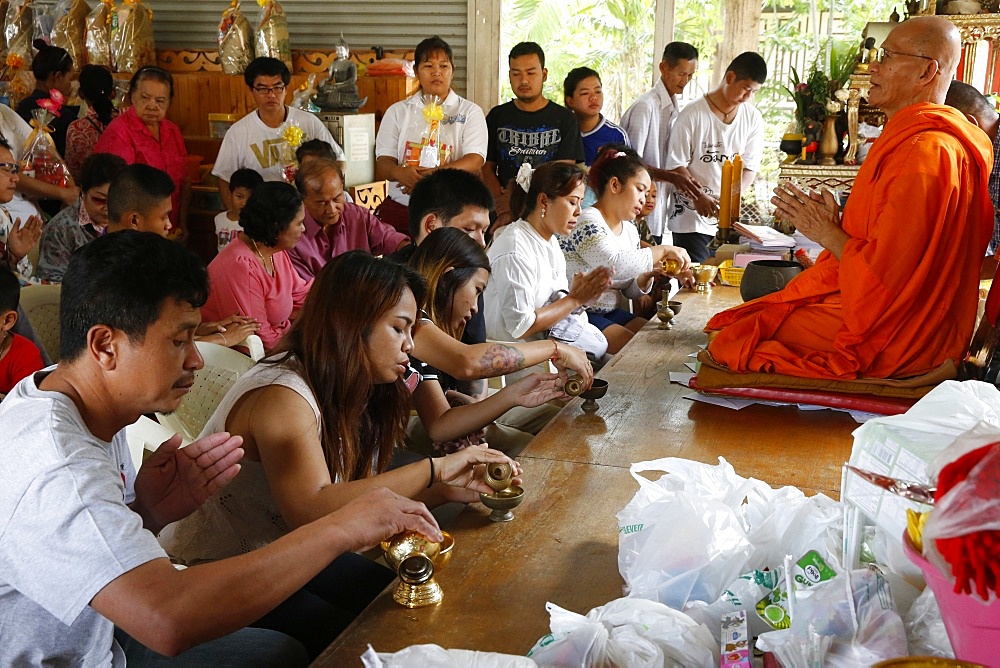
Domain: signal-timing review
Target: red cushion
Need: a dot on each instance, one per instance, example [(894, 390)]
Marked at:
[(854, 402)]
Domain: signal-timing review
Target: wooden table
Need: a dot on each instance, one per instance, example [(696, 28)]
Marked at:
[(562, 545)]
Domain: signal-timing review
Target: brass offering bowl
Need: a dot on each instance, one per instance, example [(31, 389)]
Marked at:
[(596, 391), (415, 558), (704, 274), (502, 502), (675, 306)]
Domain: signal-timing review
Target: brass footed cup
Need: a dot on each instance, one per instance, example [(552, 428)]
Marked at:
[(704, 274), (502, 502), (415, 558)]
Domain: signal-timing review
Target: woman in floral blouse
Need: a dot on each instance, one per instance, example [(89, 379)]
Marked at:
[(605, 236), (96, 87)]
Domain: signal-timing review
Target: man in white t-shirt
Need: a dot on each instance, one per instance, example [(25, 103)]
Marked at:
[(648, 123), (83, 580), (255, 141), (708, 131)]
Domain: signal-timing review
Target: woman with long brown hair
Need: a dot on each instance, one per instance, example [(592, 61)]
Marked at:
[(319, 421), (456, 270)]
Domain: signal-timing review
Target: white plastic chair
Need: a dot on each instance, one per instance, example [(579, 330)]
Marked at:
[(41, 303), (223, 366)]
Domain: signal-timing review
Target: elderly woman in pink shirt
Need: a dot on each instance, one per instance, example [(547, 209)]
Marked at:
[(143, 134), (253, 275)]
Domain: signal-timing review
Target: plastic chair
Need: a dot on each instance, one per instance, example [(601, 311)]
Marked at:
[(41, 303), (223, 366), (145, 435)]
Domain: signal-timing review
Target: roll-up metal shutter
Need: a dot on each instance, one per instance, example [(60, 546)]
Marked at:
[(317, 24)]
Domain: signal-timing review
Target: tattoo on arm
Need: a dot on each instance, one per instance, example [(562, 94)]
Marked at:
[(500, 359)]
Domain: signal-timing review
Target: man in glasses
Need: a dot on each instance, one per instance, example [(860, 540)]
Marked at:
[(255, 141), (895, 293), (82, 221)]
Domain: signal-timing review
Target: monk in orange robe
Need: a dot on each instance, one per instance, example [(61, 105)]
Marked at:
[(894, 293)]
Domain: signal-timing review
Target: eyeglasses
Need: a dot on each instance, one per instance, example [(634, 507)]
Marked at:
[(881, 54), (269, 90), (11, 168)]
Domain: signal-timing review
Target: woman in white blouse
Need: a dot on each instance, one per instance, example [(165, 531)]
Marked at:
[(529, 293), (605, 236)]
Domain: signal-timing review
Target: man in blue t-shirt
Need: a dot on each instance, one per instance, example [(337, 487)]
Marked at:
[(584, 95), (529, 128)]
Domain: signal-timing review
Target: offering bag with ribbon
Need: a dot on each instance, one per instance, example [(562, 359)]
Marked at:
[(97, 36), (235, 40), (40, 158), (132, 45), (272, 32)]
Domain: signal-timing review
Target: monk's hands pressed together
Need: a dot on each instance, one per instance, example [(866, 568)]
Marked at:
[(815, 215)]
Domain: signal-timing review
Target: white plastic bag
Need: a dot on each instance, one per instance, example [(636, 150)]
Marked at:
[(626, 632), (925, 632), (435, 656), (855, 610), (681, 537), (689, 535)]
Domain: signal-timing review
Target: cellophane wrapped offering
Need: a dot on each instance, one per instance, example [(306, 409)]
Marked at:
[(70, 29), (965, 523), (40, 159), (272, 32), (19, 26), (235, 40), (132, 46), (97, 39), (4, 6)]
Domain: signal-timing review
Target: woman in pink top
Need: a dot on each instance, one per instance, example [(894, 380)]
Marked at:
[(253, 276), (143, 134)]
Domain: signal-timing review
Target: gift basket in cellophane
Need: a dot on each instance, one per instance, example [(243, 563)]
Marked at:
[(70, 29), (97, 35), (40, 158), (272, 32), (235, 40), (132, 45)]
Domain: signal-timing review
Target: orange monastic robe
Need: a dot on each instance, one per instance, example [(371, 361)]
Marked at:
[(903, 298)]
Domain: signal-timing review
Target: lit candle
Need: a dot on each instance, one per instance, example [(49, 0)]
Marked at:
[(737, 189), (725, 193)]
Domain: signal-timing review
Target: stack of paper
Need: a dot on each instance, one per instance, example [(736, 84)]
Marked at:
[(810, 246), (764, 237)]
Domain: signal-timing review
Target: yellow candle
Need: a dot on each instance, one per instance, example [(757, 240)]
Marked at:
[(725, 196), (737, 189)]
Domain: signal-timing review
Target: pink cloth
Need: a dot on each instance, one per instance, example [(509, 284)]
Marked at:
[(129, 137), (357, 230), (239, 284)]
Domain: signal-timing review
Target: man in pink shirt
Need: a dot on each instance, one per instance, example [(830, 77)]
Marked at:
[(334, 226)]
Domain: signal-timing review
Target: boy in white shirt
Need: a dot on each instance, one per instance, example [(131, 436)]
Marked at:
[(227, 223)]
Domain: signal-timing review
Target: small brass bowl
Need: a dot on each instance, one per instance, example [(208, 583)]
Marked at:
[(675, 306), (704, 274), (597, 390), (447, 549), (408, 544), (503, 502)]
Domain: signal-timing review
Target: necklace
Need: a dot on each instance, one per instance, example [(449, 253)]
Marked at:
[(725, 114), (262, 260)]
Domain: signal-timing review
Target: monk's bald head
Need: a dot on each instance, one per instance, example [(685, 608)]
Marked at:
[(919, 61), (938, 38)]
